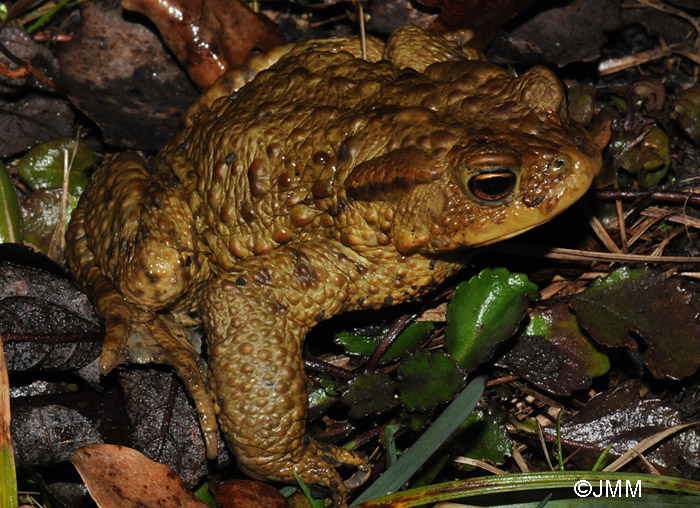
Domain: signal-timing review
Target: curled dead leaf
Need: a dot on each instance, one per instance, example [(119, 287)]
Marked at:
[(120, 477), (249, 494), (485, 18), (211, 35), (601, 127)]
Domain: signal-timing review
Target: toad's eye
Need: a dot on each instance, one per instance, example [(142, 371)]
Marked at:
[(557, 164), (492, 185)]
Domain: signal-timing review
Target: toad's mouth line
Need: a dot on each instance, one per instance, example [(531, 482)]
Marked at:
[(563, 205)]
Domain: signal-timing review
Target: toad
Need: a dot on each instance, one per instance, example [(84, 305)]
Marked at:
[(309, 183)]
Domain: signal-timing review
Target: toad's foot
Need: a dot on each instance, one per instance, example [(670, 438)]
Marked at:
[(137, 336), (316, 465)]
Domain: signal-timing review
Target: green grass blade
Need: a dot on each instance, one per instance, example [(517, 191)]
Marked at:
[(8, 476), (489, 485), (313, 502), (8, 480), (43, 19), (10, 214), (646, 501), (402, 470)]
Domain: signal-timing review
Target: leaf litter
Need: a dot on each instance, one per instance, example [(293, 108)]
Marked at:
[(621, 349)]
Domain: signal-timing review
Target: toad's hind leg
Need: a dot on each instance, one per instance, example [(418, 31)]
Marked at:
[(256, 320), (119, 252)]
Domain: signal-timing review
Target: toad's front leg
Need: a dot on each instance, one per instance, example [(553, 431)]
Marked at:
[(256, 320)]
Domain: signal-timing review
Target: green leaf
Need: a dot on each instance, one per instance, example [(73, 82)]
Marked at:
[(648, 159), (553, 354), (288, 490), (319, 401), (653, 307), (486, 437), (581, 104), (686, 106), (323, 396), (389, 443), (40, 212), (428, 378), (410, 338), (620, 103), (359, 344), (370, 393), (10, 216), (204, 494), (42, 166), (402, 470), (364, 344), (657, 158), (417, 421), (484, 312)]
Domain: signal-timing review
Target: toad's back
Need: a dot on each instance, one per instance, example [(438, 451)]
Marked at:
[(326, 183), (278, 153)]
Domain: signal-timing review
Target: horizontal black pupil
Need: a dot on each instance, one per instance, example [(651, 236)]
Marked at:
[(494, 185)]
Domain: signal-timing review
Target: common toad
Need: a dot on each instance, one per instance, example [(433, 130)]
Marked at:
[(327, 183)]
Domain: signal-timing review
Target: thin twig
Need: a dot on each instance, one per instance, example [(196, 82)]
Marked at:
[(322, 366), (582, 255), (363, 35), (603, 235), (388, 339), (24, 68), (647, 443), (622, 226), (689, 198), (590, 256), (479, 463)]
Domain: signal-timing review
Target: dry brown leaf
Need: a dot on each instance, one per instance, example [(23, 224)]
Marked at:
[(120, 477), (211, 35), (629, 424), (116, 72), (28, 114), (485, 18), (558, 33), (249, 494), (5, 437)]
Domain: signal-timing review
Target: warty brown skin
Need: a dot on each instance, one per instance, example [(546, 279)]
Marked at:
[(326, 184)]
